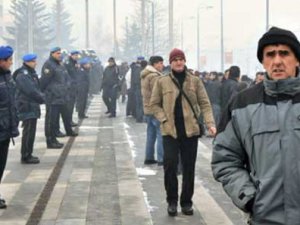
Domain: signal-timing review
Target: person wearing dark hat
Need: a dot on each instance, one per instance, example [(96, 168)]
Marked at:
[(83, 83), (28, 100), (256, 151), (177, 100), (8, 114), (72, 67), (54, 83), (110, 86)]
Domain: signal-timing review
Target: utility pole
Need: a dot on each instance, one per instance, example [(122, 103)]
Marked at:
[(115, 28), (153, 30), (267, 15), (58, 22), (198, 40), (222, 39), (171, 44), (143, 27), (30, 27), (87, 38)]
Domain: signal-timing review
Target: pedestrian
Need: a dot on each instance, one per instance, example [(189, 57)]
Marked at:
[(28, 100), (8, 114), (256, 151), (110, 86), (55, 87), (148, 77), (177, 99), (83, 81)]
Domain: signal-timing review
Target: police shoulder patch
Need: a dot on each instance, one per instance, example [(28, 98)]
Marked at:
[(46, 71)]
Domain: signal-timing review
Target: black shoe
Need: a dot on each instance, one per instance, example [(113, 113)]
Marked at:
[(150, 161), (55, 145), (73, 124), (59, 134), (2, 204), (30, 160), (112, 116), (32, 156), (160, 163), (187, 210), (72, 134), (172, 209), (107, 112)]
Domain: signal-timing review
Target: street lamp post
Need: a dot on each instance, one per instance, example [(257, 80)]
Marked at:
[(170, 24), (267, 15), (87, 44), (115, 28), (222, 39), (30, 26)]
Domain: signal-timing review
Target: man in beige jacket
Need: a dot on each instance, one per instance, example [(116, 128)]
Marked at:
[(180, 128), (148, 77)]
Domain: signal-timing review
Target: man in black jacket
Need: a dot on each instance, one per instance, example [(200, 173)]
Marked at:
[(28, 100), (8, 114)]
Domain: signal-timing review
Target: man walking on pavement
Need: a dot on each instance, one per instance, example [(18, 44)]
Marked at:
[(110, 87), (148, 77), (28, 100), (53, 84), (256, 151), (177, 101), (8, 114)]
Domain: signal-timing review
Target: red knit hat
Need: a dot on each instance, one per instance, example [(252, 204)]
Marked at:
[(176, 53)]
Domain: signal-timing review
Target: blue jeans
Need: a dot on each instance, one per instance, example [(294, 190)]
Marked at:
[(154, 134)]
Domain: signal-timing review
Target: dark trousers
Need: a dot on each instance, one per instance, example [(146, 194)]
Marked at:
[(109, 97), (3, 155), (29, 130), (187, 148), (65, 115), (71, 106), (82, 101)]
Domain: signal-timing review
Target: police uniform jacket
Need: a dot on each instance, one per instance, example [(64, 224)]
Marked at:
[(28, 94)]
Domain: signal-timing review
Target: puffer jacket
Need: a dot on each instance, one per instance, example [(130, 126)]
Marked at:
[(28, 94), (256, 155), (148, 77), (162, 104), (8, 112)]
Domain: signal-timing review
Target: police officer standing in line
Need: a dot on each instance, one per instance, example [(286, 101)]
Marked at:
[(83, 86), (28, 100), (72, 68), (8, 114), (54, 85), (110, 87)]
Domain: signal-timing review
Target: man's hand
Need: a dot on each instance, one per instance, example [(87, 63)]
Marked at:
[(212, 131)]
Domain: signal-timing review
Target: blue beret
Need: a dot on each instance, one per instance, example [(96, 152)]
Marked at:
[(29, 57), (140, 58), (84, 60), (55, 49), (74, 52), (6, 52)]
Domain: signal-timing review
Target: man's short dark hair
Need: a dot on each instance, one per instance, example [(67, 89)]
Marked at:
[(234, 72), (155, 59)]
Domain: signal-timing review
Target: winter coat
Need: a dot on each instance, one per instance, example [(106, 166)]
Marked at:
[(213, 89), (148, 77), (110, 77), (228, 89), (8, 112), (162, 104), (54, 82), (70, 65), (28, 94), (256, 155)]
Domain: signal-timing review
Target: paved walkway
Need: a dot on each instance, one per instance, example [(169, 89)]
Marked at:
[(99, 179)]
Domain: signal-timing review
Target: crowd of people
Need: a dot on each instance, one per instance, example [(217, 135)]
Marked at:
[(255, 123)]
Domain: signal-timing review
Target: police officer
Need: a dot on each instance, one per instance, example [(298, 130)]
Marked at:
[(8, 114), (54, 85), (83, 86), (72, 68), (28, 100)]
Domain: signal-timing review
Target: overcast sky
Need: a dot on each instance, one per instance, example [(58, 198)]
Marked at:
[(244, 23)]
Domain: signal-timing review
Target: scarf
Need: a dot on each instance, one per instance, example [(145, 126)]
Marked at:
[(289, 86)]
